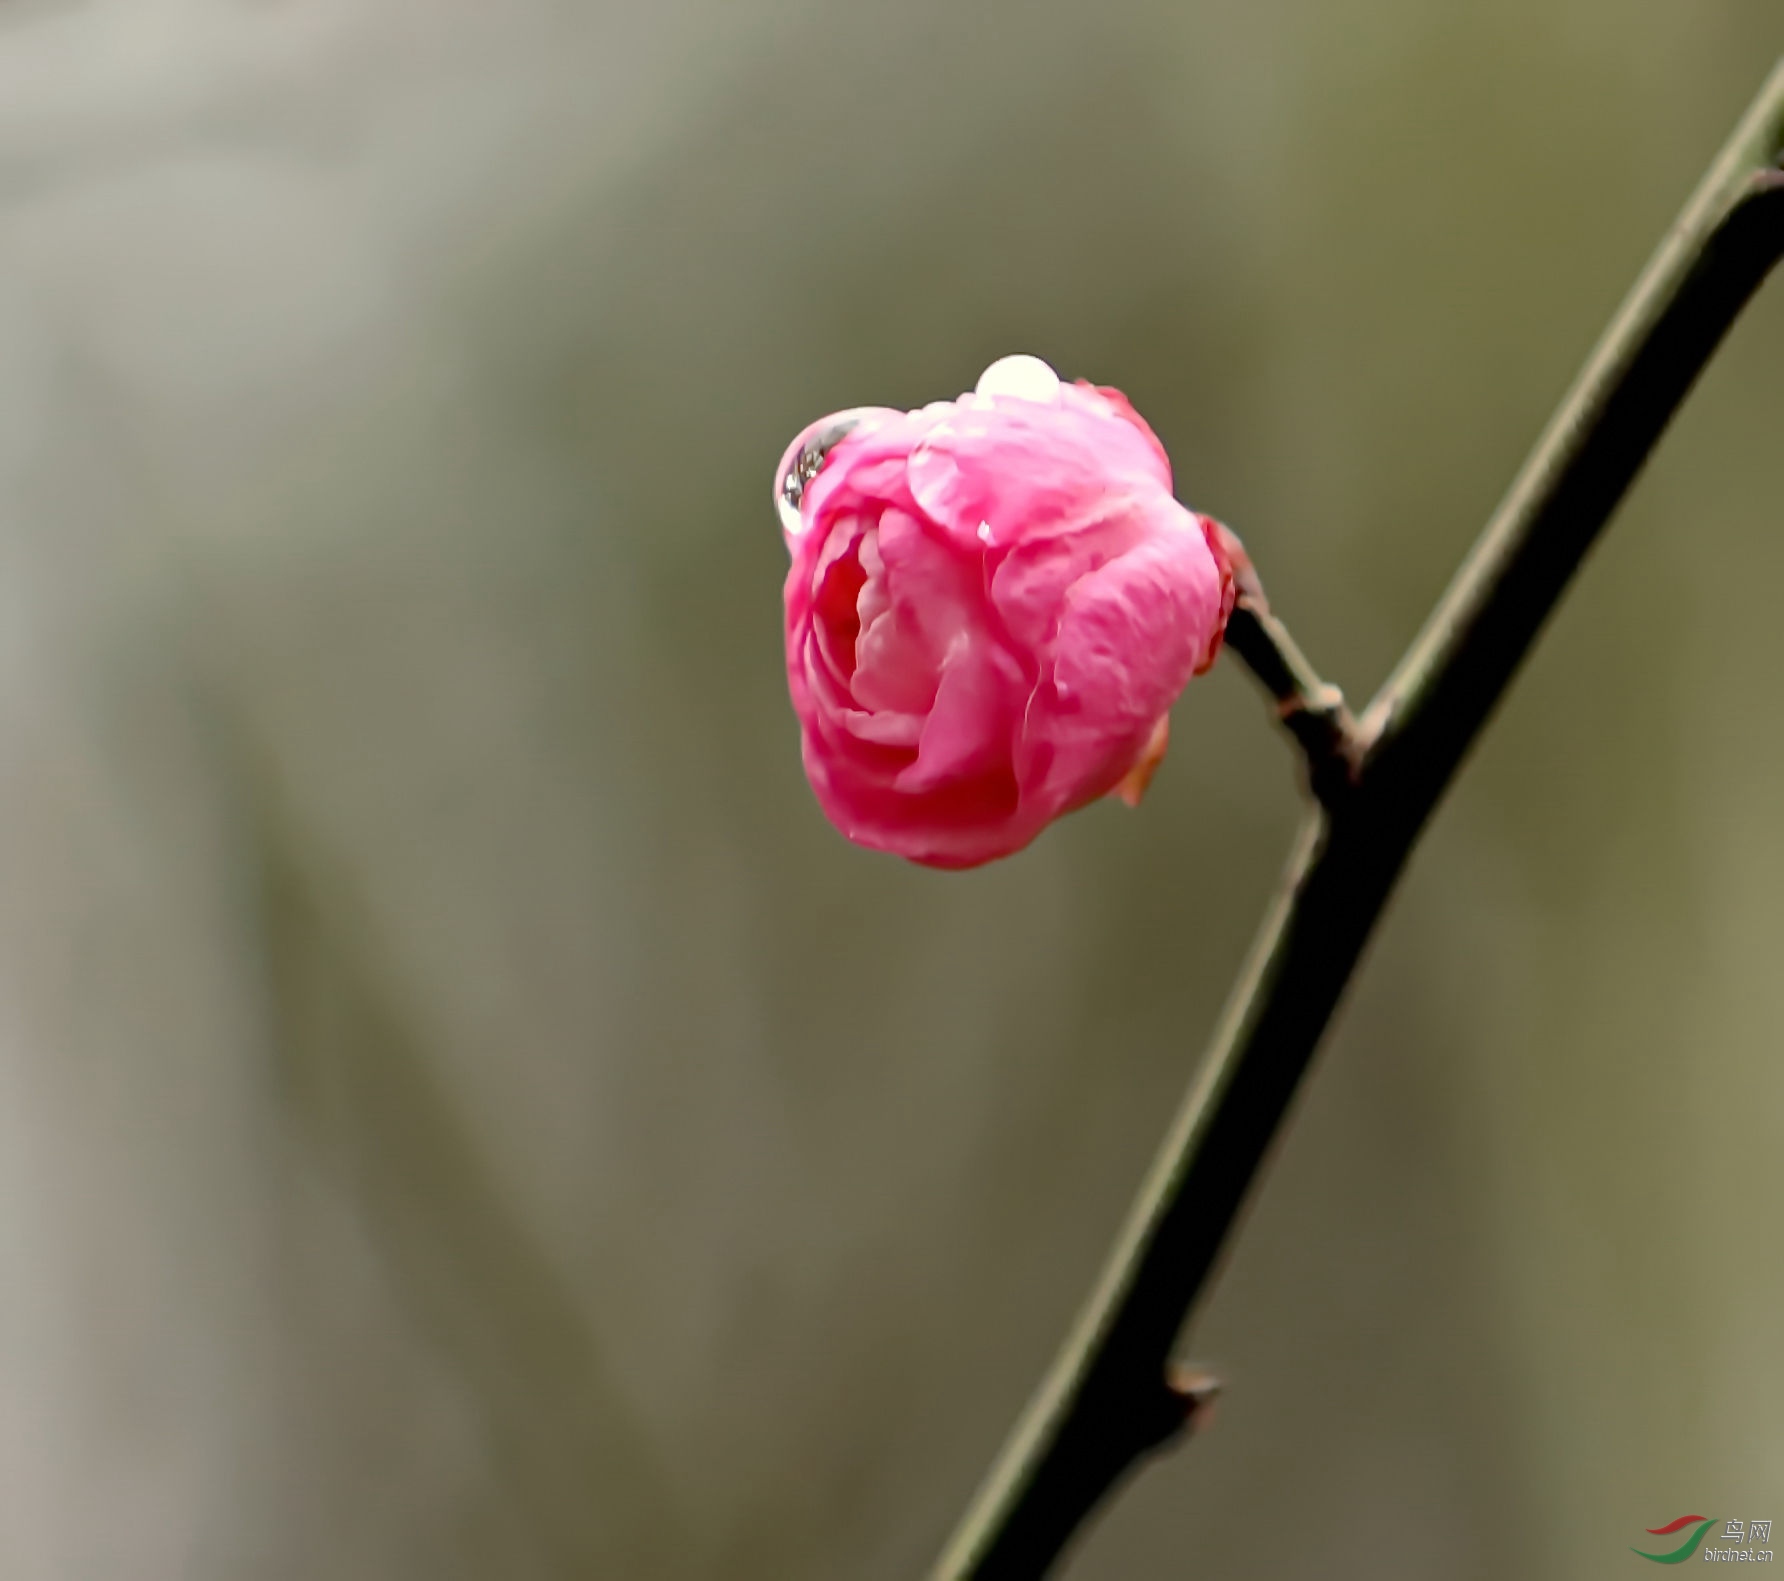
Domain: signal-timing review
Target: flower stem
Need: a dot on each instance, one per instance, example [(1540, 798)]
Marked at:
[(1112, 1396), (1311, 710)]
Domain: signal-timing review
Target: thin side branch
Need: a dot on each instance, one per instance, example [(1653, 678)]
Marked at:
[(1311, 710), (1112, 1396)]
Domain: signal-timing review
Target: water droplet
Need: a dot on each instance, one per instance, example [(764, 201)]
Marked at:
[(1025, 378), (806, 465)]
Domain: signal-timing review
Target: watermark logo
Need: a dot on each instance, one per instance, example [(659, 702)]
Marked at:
[(1700, 1525), (1743, 1541)]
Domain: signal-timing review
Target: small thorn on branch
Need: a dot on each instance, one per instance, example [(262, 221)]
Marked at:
[(1176, 1404), (1197, 1392)]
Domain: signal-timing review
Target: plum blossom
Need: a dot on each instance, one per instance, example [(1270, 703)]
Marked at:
[(993, 604)]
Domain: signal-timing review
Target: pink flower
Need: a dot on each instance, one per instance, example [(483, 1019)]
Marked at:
[(992, 606)]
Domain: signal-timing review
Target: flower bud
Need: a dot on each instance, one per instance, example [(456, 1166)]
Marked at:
[(992, 605)]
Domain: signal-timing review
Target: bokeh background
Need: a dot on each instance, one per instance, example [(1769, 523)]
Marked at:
[(463, 1113)]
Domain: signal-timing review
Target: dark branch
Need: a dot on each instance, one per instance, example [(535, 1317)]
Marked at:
[(1112, 1396)]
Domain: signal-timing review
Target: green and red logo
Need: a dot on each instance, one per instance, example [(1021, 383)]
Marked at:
[(1685, 1549)]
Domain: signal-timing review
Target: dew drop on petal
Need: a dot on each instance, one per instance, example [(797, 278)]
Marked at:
[(805, 465), (1024, 378)]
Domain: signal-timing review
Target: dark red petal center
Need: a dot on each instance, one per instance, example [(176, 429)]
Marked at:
[(837, 610)]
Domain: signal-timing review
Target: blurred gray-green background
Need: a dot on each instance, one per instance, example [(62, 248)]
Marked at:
[(463, 1113)]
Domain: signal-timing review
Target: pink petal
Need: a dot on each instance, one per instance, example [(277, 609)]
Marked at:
[(971, 726), (1118, 403), (1029, 585), (961, 824), (1130, 637), (1026, 468)]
